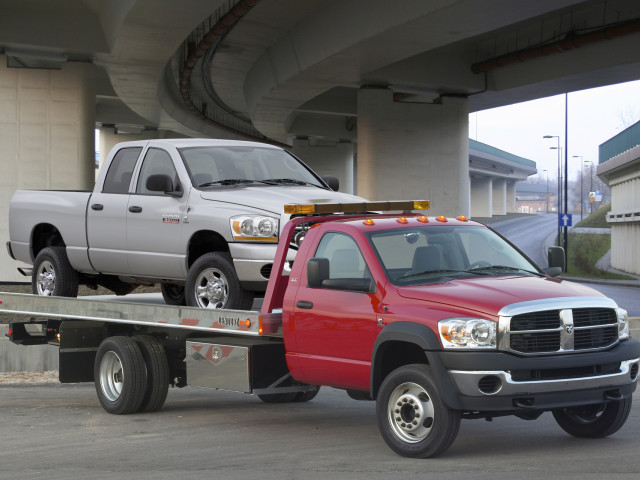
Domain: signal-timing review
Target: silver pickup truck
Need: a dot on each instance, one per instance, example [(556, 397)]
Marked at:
[(200, 217)]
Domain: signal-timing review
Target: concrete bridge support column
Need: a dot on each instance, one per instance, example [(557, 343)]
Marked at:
[(328, 158), (481, 193), (47, 121), (499, 200), (410, 150), (511, 197)]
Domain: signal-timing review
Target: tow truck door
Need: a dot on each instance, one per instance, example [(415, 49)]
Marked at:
[(336, 328)]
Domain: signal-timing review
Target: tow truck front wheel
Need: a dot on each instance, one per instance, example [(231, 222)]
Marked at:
[(594, 421), (412, 418), (212, 283)]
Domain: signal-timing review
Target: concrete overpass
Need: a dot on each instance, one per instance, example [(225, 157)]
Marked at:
[(375, 92)]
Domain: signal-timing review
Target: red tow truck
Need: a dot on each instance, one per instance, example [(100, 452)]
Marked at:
[(436, 319)]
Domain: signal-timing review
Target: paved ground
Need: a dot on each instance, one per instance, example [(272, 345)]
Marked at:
[(61, 432)]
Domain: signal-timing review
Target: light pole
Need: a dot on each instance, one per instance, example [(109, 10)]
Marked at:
[(547, 172), (581, 197), (559, 182)]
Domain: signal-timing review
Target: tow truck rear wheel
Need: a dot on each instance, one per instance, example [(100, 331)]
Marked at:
[(594, 421), (212, 282), (278, 397), (157, 368), (412, 418), (53, 274), (120, 375)]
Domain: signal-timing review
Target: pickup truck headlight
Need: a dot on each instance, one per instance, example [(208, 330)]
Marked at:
[(623, 324), (472, 333), (254, 228)]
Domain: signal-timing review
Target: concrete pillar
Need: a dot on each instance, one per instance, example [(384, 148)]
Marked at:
[(511, 196), (481, 193), (499, 194), (416, 151), (47, 120), (328, 158)]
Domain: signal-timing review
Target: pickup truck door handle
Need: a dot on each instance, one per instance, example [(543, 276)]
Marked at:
[(97, 206), (134, 209), (304, 304)]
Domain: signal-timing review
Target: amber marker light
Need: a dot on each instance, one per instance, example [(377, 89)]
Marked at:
[(423, 219), (369, 222), (462, 218), (402, 220), (442, 219)]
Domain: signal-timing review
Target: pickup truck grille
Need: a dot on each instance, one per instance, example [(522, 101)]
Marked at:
[(562, 330)]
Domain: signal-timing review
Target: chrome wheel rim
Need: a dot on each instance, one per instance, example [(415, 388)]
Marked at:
[(111, 376), (212, 289), (46, 278), (410, 412)]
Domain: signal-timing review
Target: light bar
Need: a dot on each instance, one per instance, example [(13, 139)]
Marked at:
[(363, 207)]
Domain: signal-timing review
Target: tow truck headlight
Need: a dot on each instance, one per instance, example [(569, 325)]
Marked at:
[(472, 333), (623, 324), (254, 228)]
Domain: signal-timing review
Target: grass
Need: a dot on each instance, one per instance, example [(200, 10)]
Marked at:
[(584, 252), (597, 219)]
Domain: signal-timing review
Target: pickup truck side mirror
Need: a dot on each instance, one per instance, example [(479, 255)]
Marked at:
[(332, 182), (557, 261), (317, 271), (161, 182)]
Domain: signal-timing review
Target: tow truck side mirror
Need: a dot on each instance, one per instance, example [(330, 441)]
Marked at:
[(317, 271), (557, 261)]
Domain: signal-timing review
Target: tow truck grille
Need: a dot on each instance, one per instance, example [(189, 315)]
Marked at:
[(564, 330)]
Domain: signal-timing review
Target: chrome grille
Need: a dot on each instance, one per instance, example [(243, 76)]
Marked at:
[(572, 328)]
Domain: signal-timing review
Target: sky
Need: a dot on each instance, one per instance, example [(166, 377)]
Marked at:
[(595, 115)]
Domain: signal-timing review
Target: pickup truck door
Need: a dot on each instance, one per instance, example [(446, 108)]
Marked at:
[(335, 329), (106, 215), (155, 243)]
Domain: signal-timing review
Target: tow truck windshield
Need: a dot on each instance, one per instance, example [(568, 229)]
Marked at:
[(421, 255)]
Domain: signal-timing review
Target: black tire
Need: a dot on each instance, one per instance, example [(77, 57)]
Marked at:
[(306, 396), (212, 283), (157, 368), (173, 294), (53, 275), (278, 397), (120, 375), (412, 419), (594, 421)]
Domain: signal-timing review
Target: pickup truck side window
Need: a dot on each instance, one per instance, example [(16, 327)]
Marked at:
[(156, 161), (345, 258), (120, 171)]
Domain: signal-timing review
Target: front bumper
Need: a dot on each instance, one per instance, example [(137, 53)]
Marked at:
[(253, 262), (502, 382)]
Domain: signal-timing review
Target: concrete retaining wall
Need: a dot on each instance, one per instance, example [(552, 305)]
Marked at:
[(17, 358)]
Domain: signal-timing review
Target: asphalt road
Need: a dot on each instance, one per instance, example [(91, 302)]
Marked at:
[(61, 432)]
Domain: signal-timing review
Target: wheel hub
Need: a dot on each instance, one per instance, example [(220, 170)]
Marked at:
[(46, 279), (410, 412), (212, 290)]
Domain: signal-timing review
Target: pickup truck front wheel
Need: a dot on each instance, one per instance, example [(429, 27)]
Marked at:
[(594, 421), (53, 274), (212, 283), (413, 420)]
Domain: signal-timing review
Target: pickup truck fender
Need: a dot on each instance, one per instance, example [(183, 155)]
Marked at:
[(402, 343)]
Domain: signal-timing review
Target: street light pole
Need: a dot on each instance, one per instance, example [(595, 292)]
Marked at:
[(581, 182), (557, 147)]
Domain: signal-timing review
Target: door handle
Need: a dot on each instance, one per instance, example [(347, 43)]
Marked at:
[(97, 206), (304, 304), (135, 209)]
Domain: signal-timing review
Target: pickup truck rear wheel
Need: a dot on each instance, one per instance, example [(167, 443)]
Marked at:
[(212, 283), (413, 420), (53, 274), (120, 375), (594, 421)]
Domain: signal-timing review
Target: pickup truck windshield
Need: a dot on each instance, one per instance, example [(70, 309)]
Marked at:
[(422, 255), (215, 166)]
